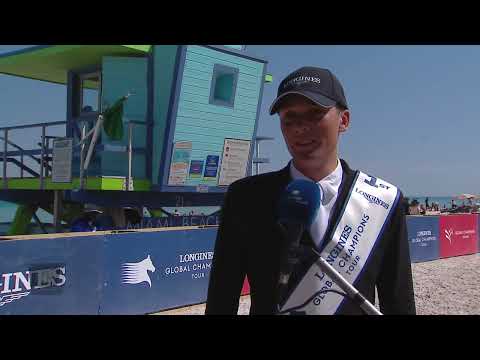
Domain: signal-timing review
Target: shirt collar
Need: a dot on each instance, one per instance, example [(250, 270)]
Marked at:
[(329, 184)]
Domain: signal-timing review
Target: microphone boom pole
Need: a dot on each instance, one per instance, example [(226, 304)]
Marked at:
[(353, 293)]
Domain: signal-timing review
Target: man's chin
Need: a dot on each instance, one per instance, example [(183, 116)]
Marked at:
[(307, 156)]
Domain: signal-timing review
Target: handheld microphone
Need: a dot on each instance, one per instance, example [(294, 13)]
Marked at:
[(297, 210)]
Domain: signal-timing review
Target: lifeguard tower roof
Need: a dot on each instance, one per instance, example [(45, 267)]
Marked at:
[(28, 62)]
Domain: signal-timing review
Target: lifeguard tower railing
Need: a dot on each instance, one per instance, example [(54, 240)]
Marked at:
[(42, 154)]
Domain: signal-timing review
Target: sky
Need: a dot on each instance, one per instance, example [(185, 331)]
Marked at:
[(414, 110)]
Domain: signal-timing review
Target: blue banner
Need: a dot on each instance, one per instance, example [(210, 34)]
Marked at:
[(423, 237), (131, 272), (51, 276), (151, 271)]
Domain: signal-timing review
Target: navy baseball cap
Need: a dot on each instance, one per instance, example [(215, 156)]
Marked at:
[(316, 84)]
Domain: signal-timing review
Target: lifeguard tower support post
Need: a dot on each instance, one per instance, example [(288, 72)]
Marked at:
[(189, 125)]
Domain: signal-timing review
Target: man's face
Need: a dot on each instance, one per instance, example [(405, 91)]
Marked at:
[(311, 131)]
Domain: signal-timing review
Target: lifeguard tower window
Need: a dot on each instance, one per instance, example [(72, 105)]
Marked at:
[(224, 85), (90, 93)]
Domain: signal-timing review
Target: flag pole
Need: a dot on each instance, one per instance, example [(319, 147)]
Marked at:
[(96, 134), (93, 142)]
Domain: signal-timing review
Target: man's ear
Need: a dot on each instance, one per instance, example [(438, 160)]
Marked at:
[(344, 121)]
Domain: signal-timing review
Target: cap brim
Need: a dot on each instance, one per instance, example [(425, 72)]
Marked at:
[(316, 98)]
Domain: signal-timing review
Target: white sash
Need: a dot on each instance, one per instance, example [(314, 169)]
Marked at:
[(368, 208)]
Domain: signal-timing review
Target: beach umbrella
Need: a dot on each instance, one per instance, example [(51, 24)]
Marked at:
[(466, 197)]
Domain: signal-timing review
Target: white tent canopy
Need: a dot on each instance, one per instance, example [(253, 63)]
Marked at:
[(466, 197)]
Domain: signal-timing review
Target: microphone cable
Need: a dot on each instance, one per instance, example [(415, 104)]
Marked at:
[(312, 297), (345, 295)]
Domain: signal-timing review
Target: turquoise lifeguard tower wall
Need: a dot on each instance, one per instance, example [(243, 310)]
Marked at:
[(120, 76), (193, 95)]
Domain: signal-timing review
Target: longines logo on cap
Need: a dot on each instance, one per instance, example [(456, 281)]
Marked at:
[(302, 79), (14, 286), (136, 273)]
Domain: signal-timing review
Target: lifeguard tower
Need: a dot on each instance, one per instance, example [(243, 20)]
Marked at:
[(188, 117)]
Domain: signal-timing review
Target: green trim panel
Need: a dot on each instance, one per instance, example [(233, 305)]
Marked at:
[(103, 183)]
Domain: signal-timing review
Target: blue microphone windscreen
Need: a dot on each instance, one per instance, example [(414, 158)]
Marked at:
[(300, 202)]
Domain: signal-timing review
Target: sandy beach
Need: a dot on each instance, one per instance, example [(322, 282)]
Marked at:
[(442, 287)]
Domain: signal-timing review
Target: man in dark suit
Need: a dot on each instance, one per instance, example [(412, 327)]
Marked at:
[(313, 113)]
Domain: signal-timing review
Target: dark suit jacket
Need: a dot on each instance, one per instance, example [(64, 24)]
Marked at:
[(248, 244)]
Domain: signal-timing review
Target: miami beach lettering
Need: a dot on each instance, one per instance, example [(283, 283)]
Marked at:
[(173, 221)]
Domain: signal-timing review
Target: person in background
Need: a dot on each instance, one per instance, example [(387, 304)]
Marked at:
[(406, 205), (423, 210), (132, 217), (454, 205), (104, 222), (85, 222), (414, 207)]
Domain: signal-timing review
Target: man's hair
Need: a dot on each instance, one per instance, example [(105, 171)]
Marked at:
[(340, 107)]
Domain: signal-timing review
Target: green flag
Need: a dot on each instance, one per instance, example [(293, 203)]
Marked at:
[(113, 120)]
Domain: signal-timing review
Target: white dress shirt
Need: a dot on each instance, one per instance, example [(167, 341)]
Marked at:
[(329, 186)]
